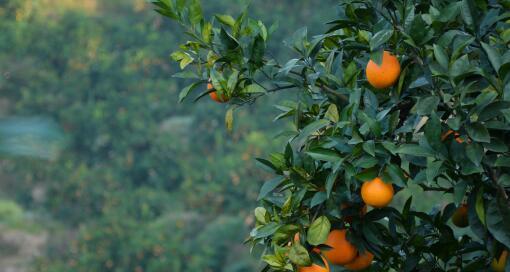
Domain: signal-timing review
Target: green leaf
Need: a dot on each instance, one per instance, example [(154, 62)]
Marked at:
[(257, 51), (232, 81), (419, 31), (366, 162), (414, 150), (449, 13), (377, 56), (254, 88), (185, 92), (318, 231), (325, 155), (480, 209), (269, 186), (186, 60), (461, 67), (195, 12), (498, 216), (432, 170), (494, 56), (291, 64), (225, 19), (207, 32), (309, 130), (433, 133), (478, 132), (299, 255), (260, 215), (396, 175), (263, 30), (368, 174), (441, 56), (426, 105), (459, 191), (229, 119), (186, 75), (229, 43), (466, 14), (332, 113), (380, 38), (318, 199), (265, 230), (273, 260), (475, 153), (502, 161), (330, 181), (369, 147)]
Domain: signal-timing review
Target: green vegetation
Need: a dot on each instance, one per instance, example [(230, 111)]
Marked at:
[(122, 177), (394, 95)]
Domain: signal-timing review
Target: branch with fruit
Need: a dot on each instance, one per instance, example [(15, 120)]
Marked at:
[(394, 94)]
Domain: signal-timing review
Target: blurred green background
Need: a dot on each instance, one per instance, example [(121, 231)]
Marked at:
[(100, 168)]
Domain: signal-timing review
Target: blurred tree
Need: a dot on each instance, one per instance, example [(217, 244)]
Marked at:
[(143, 184)]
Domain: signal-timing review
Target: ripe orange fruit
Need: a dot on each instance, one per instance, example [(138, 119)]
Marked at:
[(385, 75), (348, 219), (377, 193), (315, 267), (500, 264), (342, 251), (361, 262), (460, 217), (214, 96), (456, 136)]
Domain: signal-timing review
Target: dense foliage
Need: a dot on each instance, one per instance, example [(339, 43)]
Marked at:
[(143, 184), (443, 126)]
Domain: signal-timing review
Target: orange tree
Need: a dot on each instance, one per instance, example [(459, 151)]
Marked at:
[(394, 93)]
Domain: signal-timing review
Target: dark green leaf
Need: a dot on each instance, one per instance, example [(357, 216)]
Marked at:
[(426, 105), (441, 56), (498, 216), (185, 92), (309, 130), (478, 132), (494, 56), (325, 155), (265, 231), (318, 199), (269, 186), (380, 38), (414, 150)]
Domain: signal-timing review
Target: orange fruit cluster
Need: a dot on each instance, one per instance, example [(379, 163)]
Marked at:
[(342, 252)]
